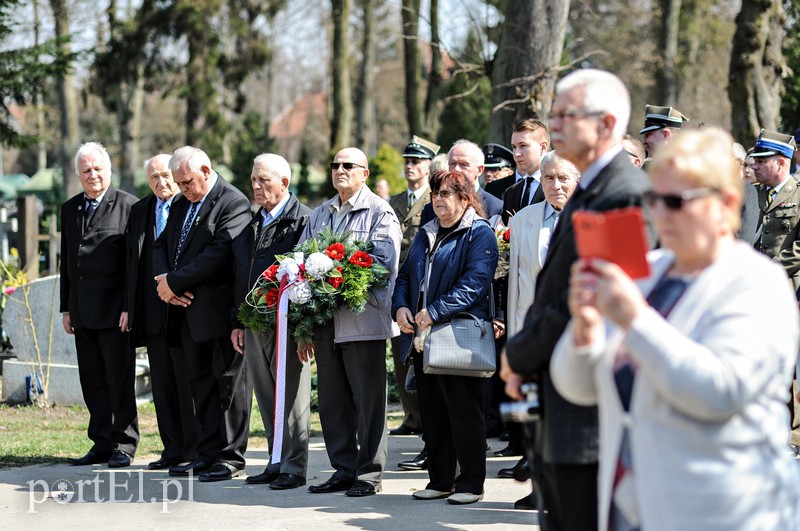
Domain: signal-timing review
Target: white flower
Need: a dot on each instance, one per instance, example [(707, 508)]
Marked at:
[(290, 267), (318, 264), (300, 292)]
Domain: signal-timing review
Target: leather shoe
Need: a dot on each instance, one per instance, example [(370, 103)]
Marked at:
[(363, 488), (332, 485), (403, 429), (519, 471), (464, 498), (287, 481), (164, 462), (119, 459), (220, 472), (420, 462), (195, 467), (92, 457), (267, 476), (528, 503), (430, 494), (508, 451)]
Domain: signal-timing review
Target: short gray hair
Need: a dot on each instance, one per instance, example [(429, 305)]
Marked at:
[(550, 159), (474, 148), (193, 157), (92, 147), (602, 91), (274, 164), (154, 157)]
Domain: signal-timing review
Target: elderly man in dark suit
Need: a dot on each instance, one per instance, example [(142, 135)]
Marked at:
[(274, 230), (147, 315), (94, 307), (588, 120), (193, 264)]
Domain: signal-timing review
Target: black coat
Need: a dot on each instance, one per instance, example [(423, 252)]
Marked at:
[(205, 267), (93, 261), (254, 252), (512, 199), (570, 434)]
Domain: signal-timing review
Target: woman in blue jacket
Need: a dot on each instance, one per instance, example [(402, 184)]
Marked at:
[(462, 251)]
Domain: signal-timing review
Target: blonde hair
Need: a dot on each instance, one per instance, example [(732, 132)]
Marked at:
[(704, 158)]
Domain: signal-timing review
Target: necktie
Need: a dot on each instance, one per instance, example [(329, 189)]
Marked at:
[(185, 232), (162, 214), (90, 207), (412, 200), (524, 199), (772, 193)]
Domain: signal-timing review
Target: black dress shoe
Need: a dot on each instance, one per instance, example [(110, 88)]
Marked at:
[(220, 472), (195, 467), (287, 481), (164, 462), (332, 485), (119, 459), (403, 429), (528, 503), (263, 478), (519, 471), (508, 451), (363, 488), (420, 462), (92, 457)]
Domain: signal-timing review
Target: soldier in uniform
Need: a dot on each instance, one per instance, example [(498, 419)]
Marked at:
[(408, 206), (660, 123), (498, 164), (779, 203)]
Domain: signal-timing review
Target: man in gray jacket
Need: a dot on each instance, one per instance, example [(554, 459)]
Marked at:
[(351, 351)]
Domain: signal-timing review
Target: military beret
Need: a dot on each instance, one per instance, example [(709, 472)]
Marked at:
[(497, 156), (420, 148), (771, 143), (660, 117)]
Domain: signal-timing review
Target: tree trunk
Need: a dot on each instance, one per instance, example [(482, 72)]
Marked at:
[(342, 105), (433, 97), (365, 78), (41, 146), (757, 64), (666, 74), (411, 63), (68, 104), (525, 67)]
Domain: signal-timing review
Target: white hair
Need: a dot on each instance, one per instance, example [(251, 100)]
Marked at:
[(92, 147), (191, 156), (602, 91), (154, 157), (274, 164), (477, 152), (551, 159)]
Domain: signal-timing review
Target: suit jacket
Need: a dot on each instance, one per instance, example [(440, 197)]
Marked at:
[(750, 230), (497, 188), (491, 204), (513, 200), (409, 218), (780, 228), (524, 263), (708, 422), (254, 249), (205, 266), (146, 312), (93, 260), (570, 432)]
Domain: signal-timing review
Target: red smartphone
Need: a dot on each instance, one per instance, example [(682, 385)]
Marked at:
[(618, 236)]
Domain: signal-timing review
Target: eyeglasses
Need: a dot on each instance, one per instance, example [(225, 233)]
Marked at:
[(346, 165), (676, 201), (568, 115), (444, 194)]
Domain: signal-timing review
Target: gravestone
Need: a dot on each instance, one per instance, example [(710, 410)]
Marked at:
[(56, 349)]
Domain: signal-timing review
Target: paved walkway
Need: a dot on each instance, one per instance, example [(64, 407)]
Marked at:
[(31, 498)]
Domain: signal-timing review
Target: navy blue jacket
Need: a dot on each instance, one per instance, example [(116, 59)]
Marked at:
[(461, 273)]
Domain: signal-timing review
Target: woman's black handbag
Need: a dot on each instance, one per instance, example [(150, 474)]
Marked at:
[(462, 347)]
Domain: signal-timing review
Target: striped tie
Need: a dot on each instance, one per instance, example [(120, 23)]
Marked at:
[(162, 214), (184, 233)]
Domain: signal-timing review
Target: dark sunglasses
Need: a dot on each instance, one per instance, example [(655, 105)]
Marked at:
[(676, 201), (444, 194), (346, 165)]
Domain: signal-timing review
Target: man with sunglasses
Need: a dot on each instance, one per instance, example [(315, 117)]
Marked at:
[(351, 351), (587, 123)]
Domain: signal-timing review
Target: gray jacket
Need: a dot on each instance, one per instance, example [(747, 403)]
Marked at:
[(372, 219)]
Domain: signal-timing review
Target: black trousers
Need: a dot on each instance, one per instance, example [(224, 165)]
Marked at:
[(411, 416), (172, 397), (570, 493), (222, 396), (107, 372), (454, 429)]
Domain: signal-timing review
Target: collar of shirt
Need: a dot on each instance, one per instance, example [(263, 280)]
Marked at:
[(418, 193), (537, 176), (597, 166), (211, 184), (99, 198), (548, 210), (337, 205), (275, 212), (777, 187), (160, 202)]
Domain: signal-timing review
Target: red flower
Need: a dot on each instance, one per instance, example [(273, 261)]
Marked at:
[(271, 273), (362, 259), (335, 251), (335, 281), (272, 297), (507, 235)]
